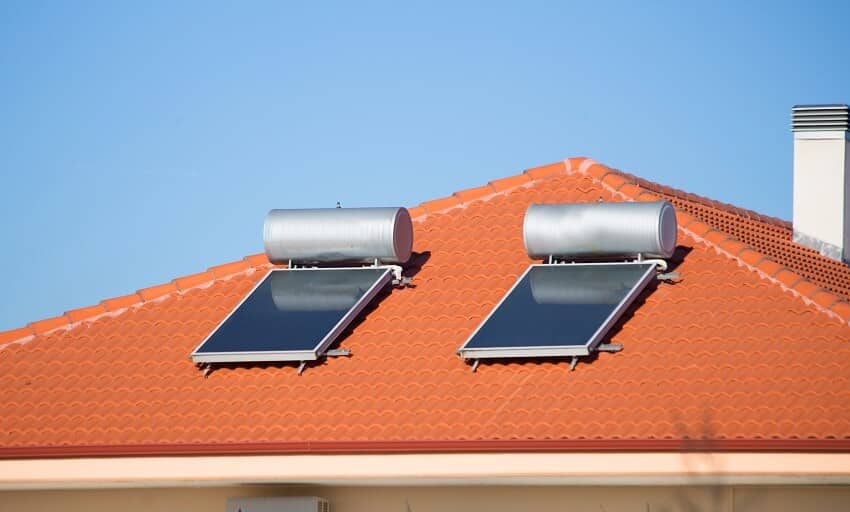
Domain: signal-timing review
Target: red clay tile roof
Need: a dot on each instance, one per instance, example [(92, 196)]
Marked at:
[(749, 351)]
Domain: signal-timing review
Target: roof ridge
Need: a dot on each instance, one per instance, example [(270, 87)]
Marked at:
[(747, 256), (704, 201), (115, 306), (496, 188), (617, 182)]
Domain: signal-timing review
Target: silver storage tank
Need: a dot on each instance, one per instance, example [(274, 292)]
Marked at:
[(588, 230), (338, 234)]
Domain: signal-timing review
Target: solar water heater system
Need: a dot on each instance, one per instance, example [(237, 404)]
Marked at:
[(598, 258), (338, 260)]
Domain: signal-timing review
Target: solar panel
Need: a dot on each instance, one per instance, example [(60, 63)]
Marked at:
[(292, 315), (558, 310)]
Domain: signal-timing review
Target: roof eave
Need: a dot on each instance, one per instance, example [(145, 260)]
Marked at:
[(498, 468)]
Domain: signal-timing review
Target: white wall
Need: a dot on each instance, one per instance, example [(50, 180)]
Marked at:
[(821, 172), (448, 499)]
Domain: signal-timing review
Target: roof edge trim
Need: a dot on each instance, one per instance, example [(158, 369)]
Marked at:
[(400, 447), (629, 468)]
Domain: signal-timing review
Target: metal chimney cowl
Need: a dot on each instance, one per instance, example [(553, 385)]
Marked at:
[(822, 179)]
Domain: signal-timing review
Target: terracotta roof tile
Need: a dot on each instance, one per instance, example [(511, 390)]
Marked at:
[(806, 288), (476, 193), (416, 211), (438, 205), (750, 256), (647, 197), (48, 324), (121, 302), (545, 171), (716, 237), (575, 163), (614, 181), (186, 282), (769, 267), (698, 228), (708, 354), (842, 309), (227, 269), (75, 315), (155, 292), (598, 170), (631, 190), (258, 260), (732, 246), (824, 298), (510, 182), (15, 334), (788, 278)]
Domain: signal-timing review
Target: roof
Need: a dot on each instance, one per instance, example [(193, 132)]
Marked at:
[(749, 351)]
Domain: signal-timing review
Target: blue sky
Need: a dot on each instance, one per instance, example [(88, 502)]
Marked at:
[(143, 141)]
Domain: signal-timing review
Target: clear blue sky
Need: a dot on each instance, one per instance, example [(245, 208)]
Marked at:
[(140, 141)]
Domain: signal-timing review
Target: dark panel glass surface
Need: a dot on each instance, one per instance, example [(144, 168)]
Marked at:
[(558, 305), (292, 310)]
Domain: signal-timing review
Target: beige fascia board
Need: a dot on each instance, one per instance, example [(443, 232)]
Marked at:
[(697, 468)]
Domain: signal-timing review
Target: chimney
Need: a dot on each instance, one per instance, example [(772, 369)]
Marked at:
[(822, 179)]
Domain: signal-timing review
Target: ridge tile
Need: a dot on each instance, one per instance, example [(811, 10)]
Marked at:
[(510, 182), (125, 301), (227, 269), (48, 324)]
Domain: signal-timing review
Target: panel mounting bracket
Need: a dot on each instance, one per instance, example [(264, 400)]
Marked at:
[(609, 347), (301, 366), (338, 352), (669, 277)]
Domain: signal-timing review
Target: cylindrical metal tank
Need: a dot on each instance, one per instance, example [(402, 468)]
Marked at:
[(587, 230), (338, 234)]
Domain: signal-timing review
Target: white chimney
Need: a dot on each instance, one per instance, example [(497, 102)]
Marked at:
[(822, 179)]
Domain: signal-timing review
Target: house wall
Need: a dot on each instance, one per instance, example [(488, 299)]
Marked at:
[(446, 499)]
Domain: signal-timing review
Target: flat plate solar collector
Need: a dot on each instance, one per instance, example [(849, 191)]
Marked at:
[(558, 310), (292, 315)]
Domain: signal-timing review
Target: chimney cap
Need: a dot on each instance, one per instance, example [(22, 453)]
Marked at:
[(820, 118), (821, 106)]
